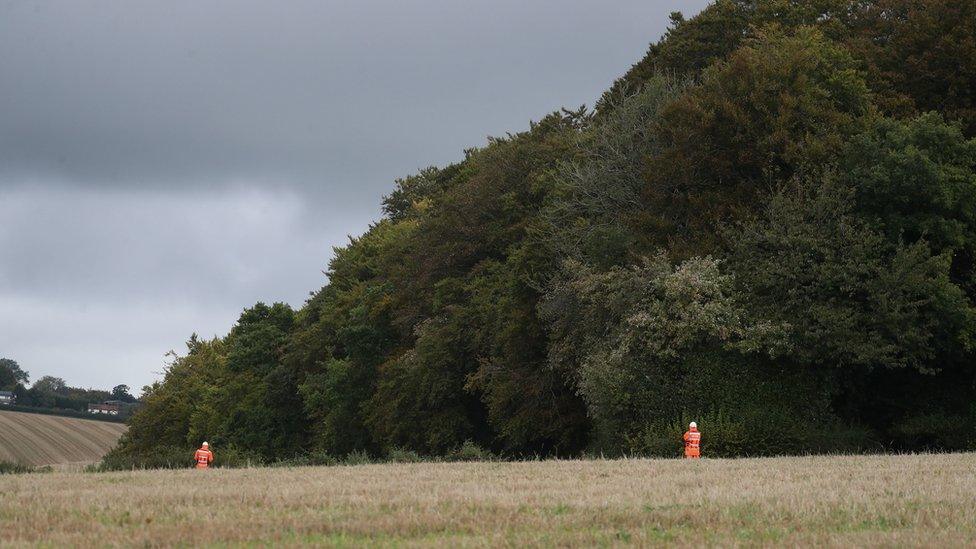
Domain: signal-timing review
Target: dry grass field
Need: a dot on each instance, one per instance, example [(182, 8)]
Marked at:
[(36, 439), (923, 500)]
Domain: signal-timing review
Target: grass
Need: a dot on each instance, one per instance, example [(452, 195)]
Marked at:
[(38, 440), (12, 468), (843, 500)]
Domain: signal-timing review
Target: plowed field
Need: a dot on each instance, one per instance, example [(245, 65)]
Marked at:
[(36, 439)]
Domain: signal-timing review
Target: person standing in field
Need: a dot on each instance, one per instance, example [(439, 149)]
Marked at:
[(692, 440), (203, 457)]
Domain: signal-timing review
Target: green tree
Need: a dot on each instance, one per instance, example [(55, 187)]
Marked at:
[(174, 411), (257, 405), (122, 392), (11, 375), (920, 56), (781, 103), (628, 336), (692, 45), (343, 333), (597, 195), (916, 179), (851, 299), (420, 403), (333, 400), (531, 408), (46, 392)]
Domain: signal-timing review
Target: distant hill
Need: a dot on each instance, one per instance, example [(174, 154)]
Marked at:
[(36, 439)]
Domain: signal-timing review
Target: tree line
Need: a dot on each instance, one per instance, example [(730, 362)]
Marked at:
[(54, 393), (767, 225)]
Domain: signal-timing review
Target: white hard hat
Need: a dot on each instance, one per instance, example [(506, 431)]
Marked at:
[(205, 443), (692, 425)]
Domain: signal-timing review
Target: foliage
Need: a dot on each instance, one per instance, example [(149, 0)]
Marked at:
[(938, 429), (917, 55), (11, 375), (920, 56), (765, 434), (51, 394), (163, 456), (915, 179), (782, 102), (9, 468), (894, 304), (469, 451), (399, 455), (598, 197), (419, 402), (766, 225), (638, 339), (332, 399), (122, 393), (54, 394), (358, 457)]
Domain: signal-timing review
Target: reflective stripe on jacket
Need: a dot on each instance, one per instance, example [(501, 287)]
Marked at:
[(692, 444), (203, 458)]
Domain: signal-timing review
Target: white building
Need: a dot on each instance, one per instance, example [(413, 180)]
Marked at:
[(111, 407)]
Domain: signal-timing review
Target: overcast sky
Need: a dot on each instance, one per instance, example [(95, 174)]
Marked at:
[(164, 164)]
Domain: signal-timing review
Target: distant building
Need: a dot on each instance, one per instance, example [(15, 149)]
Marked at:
[(109, 407), (6, 397)]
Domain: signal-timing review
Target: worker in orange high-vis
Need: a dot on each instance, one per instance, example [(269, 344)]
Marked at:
[(203, 457), (692, 440)]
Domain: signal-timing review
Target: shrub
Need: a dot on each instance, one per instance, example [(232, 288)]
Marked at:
[(771, 433), (306, 460), (233, 457), (722, 436), (321, 458), (10, 468), (357, 457), (402, 455), (161, 457), (469, 451), (936, 430), (841, 439)]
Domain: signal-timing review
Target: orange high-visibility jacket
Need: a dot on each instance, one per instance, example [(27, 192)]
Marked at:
[(203, 458), (692, 444)]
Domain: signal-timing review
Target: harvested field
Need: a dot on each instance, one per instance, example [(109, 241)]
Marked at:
[(918, 500), (64, 442)]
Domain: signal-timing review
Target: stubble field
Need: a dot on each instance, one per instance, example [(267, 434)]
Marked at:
[(919, 500), (62, 442)]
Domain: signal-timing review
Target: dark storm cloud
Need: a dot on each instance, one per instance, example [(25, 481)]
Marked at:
[(157, 93), (163, 164)]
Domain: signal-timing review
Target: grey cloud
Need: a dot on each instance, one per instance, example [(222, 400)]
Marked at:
[(95, 286), (87, 345), (164, 164), (318, 93), (206, 247)]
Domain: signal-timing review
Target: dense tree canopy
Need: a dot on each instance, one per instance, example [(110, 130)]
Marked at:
[(11, 375), (768, 225)]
